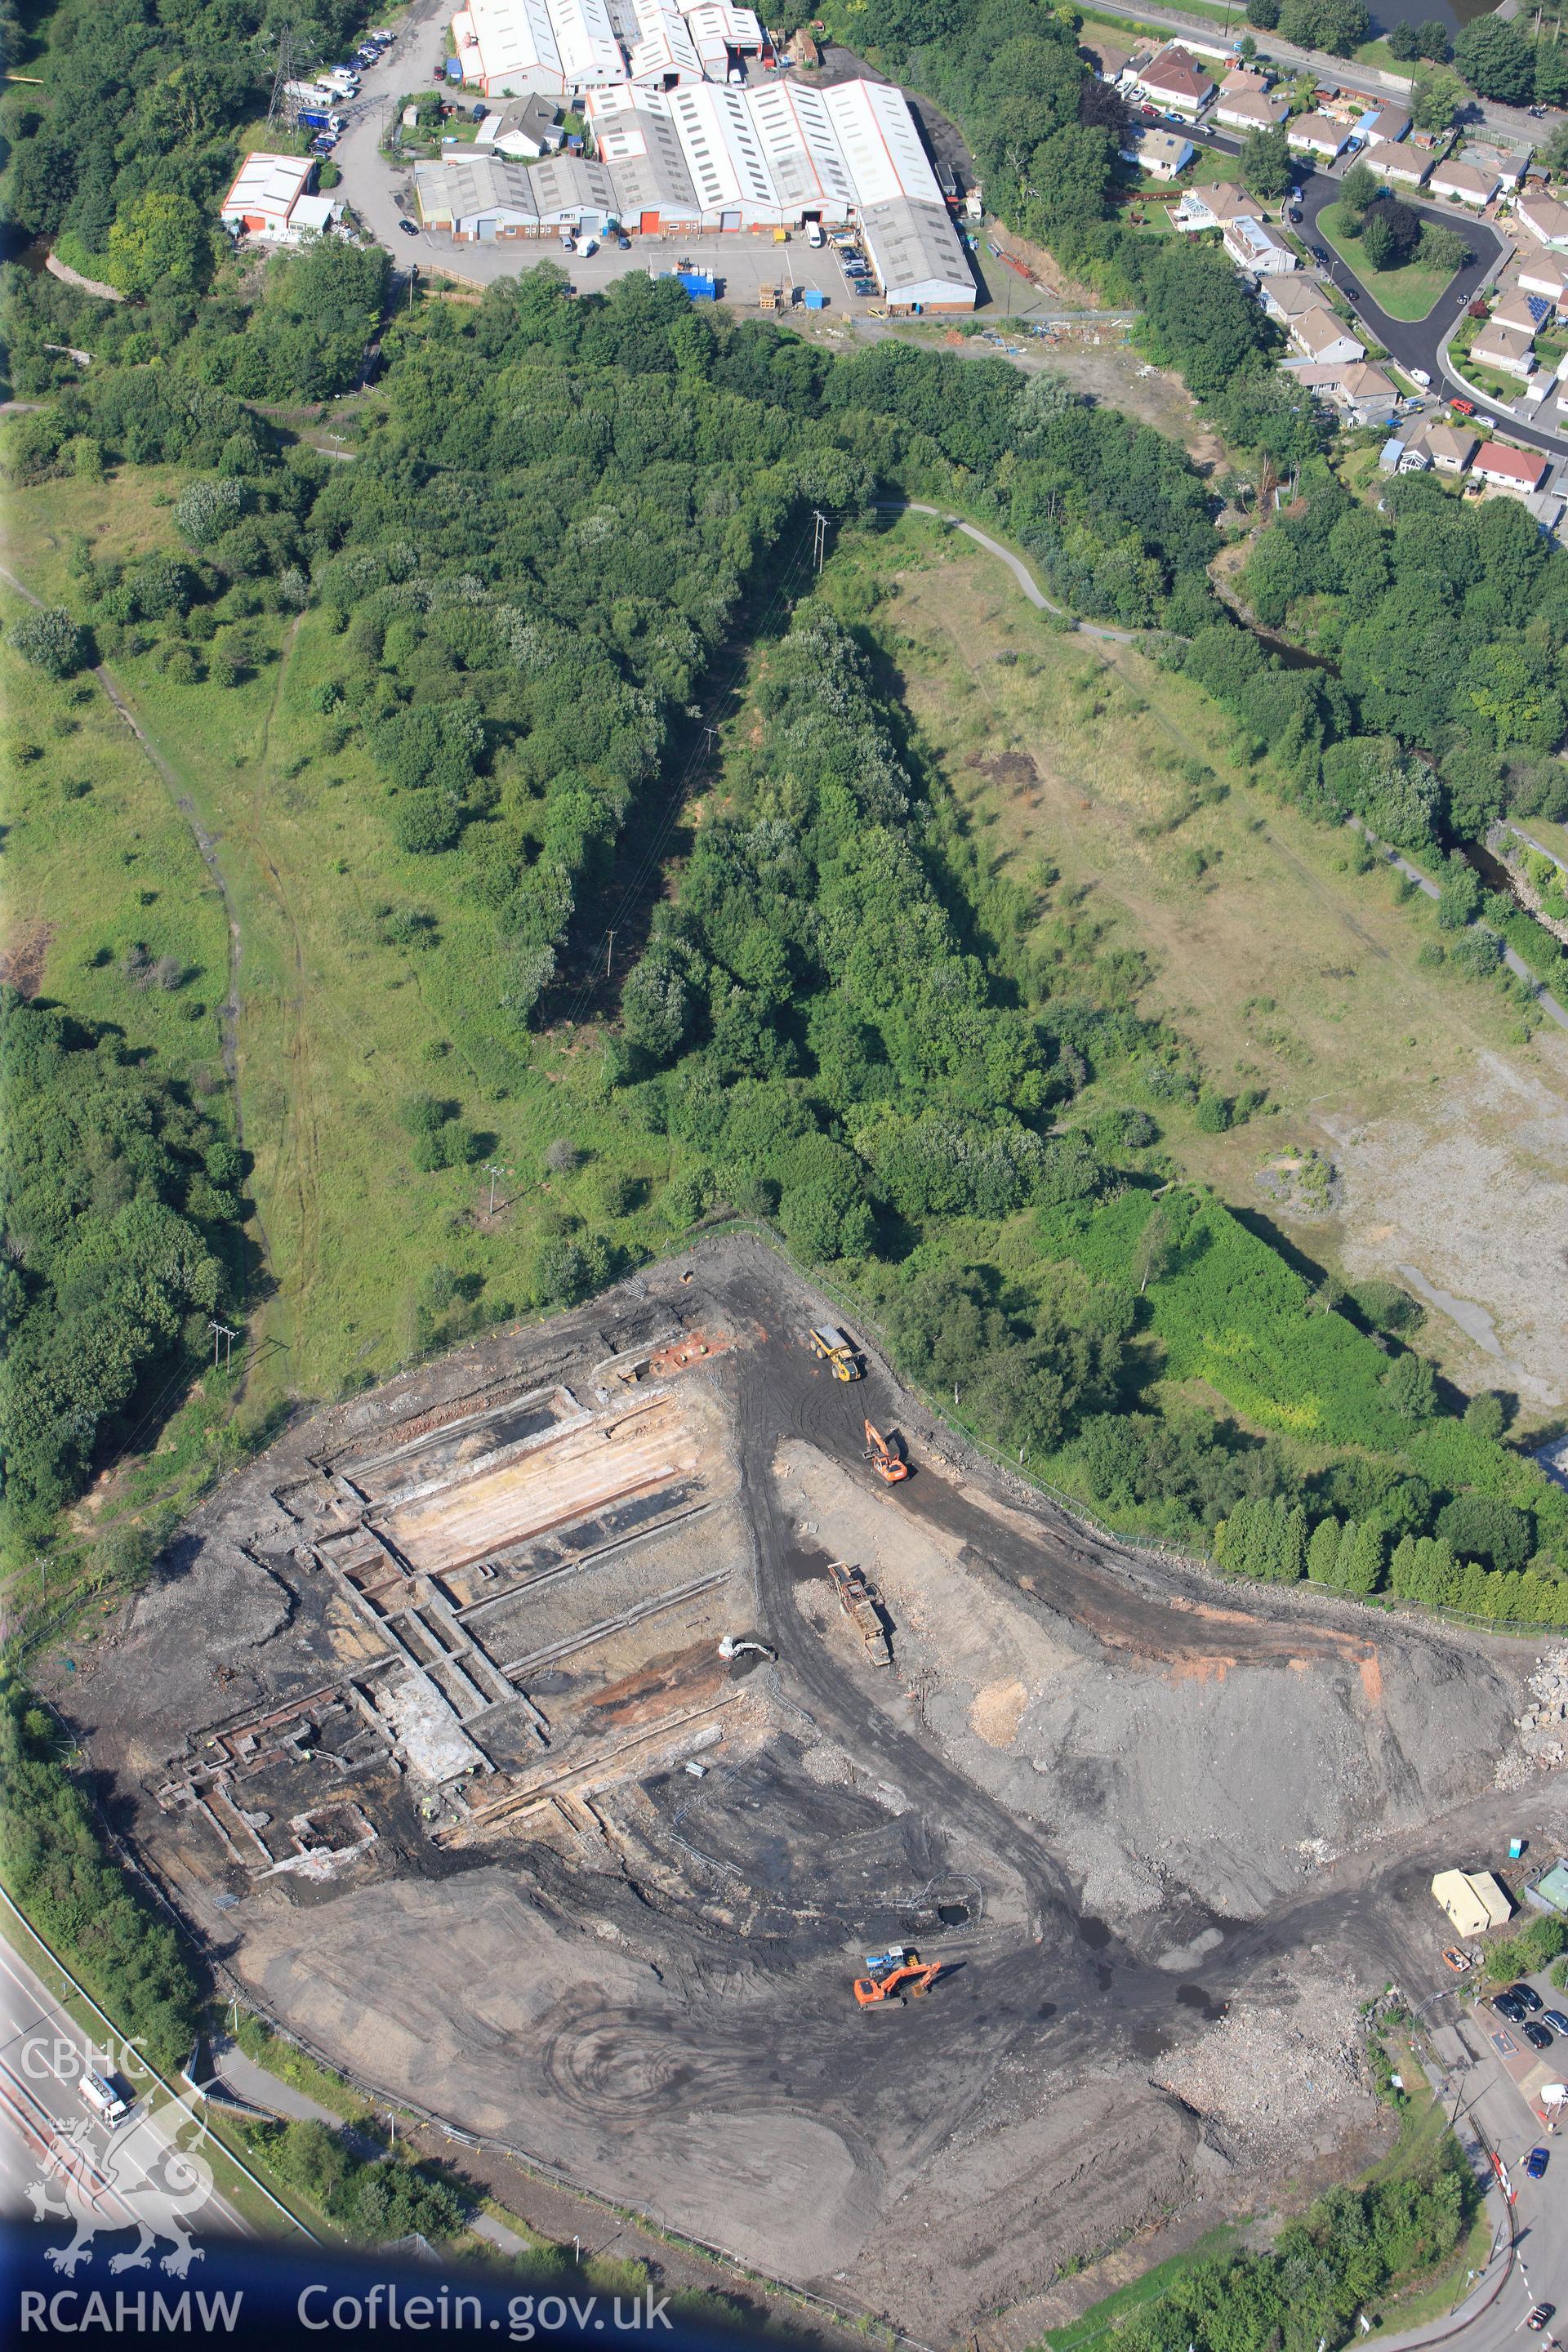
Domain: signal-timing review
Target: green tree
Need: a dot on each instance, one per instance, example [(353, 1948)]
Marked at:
[(1339, 26), (1496, 59), (1360, 187), (1432, 40), (1323, 1551), (1460, 895), (1410, 1388), (1435, 97), (160, 243), (1443, 247), (1267, 165)]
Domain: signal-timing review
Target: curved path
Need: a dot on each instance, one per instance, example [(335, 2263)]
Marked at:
[(1014, 565)]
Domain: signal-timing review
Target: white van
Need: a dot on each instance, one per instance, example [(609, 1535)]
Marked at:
[(814, 234)]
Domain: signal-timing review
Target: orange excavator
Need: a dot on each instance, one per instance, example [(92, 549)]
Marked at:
[(896, 1977), (885, 1455)]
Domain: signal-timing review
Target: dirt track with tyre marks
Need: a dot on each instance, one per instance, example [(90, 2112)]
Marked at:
[(1119, 1801)]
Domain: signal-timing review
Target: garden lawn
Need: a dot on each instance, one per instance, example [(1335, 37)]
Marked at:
[(1407, 293)]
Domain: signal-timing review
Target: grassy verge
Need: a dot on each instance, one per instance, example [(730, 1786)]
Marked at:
[(1410, 292), (1139, 2292)]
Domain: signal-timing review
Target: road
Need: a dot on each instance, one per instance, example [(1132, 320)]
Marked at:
[(143, 2175), (1412, 344)]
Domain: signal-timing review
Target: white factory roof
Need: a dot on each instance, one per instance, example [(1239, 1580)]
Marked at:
[(716, 29), (663, 53), (508, 44), (267, 186), (585, 41), (723, 152), (799, 140), (880, 143)]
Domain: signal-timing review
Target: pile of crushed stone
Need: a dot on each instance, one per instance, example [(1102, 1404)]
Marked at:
[(1542, 1728), (1263, 2078)]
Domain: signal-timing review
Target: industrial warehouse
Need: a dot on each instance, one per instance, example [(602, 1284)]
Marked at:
[(680, 142)]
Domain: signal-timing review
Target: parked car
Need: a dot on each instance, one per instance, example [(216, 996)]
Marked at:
[(1420, 376), (1536, 2035), (589, 245), (1506, 2006), (409, 228), (1463, 407), (568, 242), (623, 240), (1555, 2019), (1536, 2162), (1529, 1996)]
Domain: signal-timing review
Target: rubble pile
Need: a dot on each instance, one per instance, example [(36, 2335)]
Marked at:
[(1268, 2079), (1542, 1728)]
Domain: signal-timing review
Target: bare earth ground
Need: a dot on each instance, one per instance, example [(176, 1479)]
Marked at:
[(430, 1737), (1284, 968)]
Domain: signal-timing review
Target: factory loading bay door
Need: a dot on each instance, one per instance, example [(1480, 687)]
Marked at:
[(648, 225), (728, 221)]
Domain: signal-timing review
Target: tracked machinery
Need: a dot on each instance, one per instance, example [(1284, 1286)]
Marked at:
[(885, 1454), (894, 1978)]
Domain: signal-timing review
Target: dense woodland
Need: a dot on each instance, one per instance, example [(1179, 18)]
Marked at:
[(119, 1205)]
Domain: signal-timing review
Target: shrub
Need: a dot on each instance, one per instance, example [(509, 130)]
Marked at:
[(50, 640), (424, 823)]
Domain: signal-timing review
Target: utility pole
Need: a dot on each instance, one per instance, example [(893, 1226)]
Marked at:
[(818, 536), (221, 1332), (609, 951), (495, 1172), (413, 279)]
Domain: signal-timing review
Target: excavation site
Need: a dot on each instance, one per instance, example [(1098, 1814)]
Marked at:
[(553, 1737)]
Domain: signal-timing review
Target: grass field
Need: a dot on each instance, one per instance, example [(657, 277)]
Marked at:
[(1287, 969), (366, 977), (1407, 293)]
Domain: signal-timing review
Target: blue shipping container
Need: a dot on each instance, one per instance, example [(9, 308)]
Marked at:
[(699, 284), (813, 300)]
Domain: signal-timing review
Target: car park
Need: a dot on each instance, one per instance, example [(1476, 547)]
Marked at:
[(1536, 2162), (1529, 1996), (1536, 2035)]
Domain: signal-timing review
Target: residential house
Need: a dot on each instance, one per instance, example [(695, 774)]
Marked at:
[(1253, 246), (1464, 184), (1408, 166), (1250, 110), (1546, 220), (1450, 449), (1562, 385), (1176, 82), (524, 129), (1213, 207), (1158, 154), (1509, 165), (1522, 313), (1398, 456), (1286, 298), (264, 201), (1516, 472), (1361, 392), (1505, 349), (1390, 123), (1108, 60), (1322, 339), (1316, 134), (1539, 275)]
